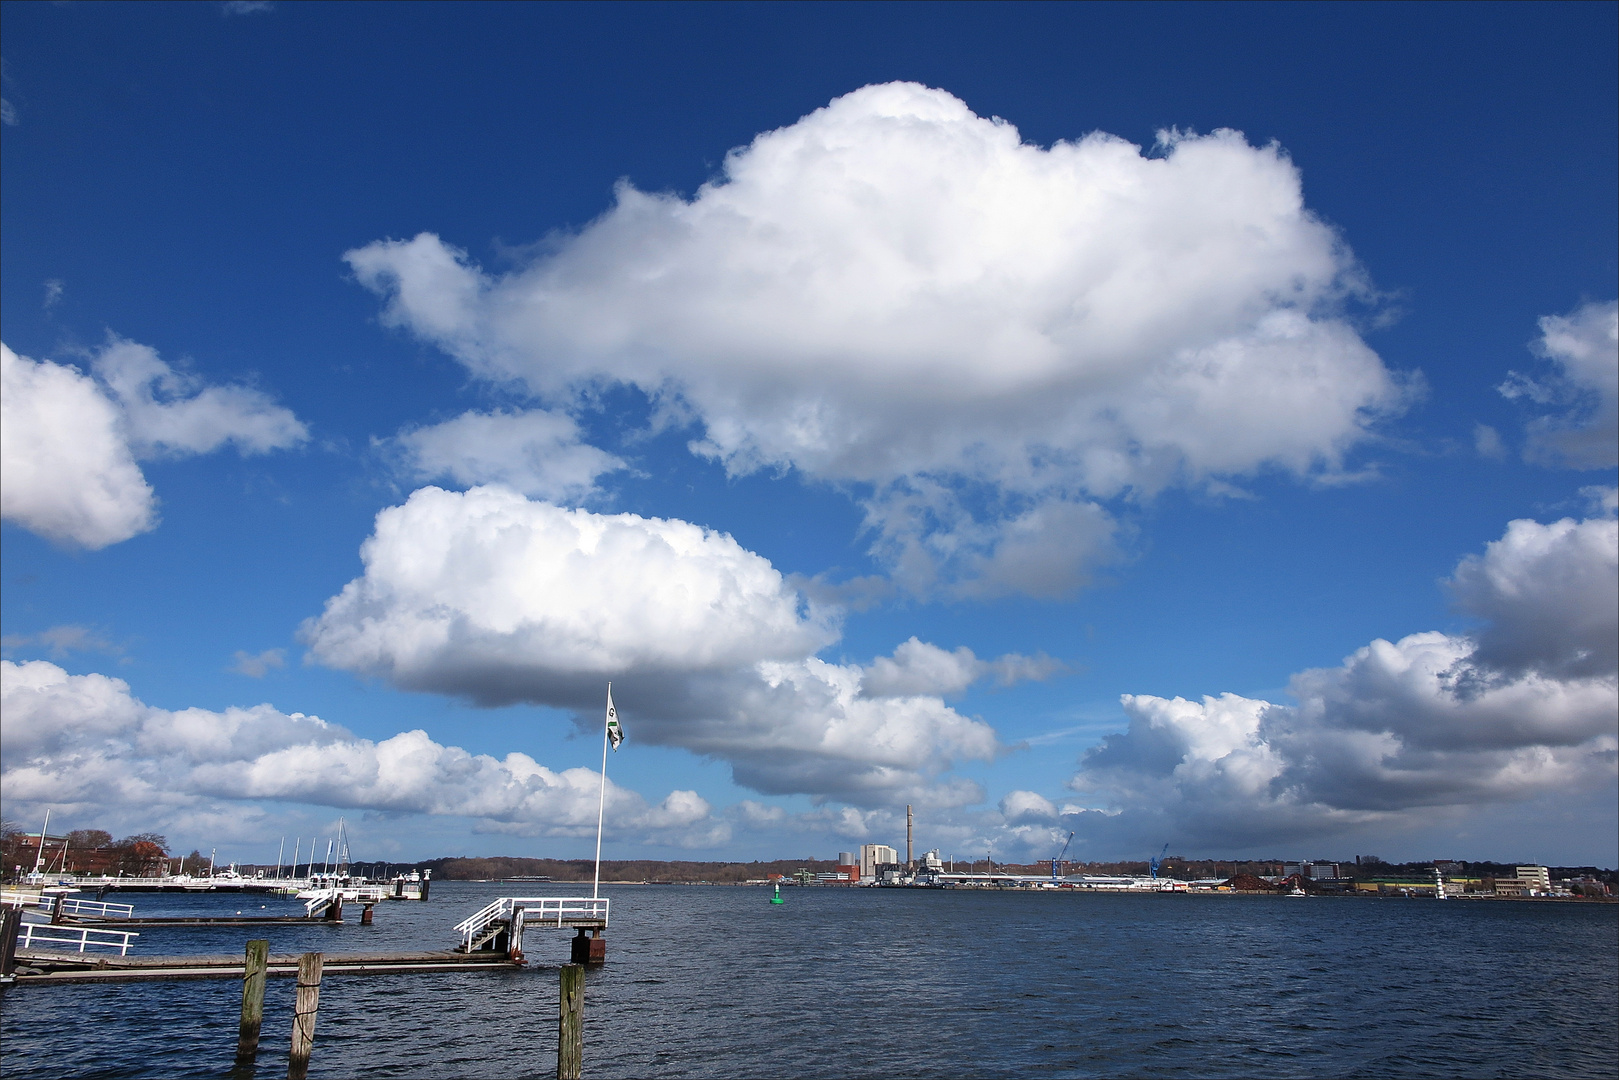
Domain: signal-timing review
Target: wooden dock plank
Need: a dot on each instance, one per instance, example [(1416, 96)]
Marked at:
[(76, 967)]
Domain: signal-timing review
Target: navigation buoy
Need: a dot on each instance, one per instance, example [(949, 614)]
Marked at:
[(777, 898)]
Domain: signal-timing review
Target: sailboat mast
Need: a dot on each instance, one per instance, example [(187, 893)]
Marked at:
[(39, 857)]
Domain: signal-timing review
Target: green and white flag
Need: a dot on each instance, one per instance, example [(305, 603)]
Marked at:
[(615, 734)]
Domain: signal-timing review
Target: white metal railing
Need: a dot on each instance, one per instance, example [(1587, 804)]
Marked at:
[(30, 935), (95, 908), (70, 905), (537, 910), (318, 903)]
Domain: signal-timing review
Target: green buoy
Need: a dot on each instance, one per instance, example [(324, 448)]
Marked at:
[(777, 898)]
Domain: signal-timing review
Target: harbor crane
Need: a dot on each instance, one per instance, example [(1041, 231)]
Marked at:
[(1058, 857), (1157, 861)]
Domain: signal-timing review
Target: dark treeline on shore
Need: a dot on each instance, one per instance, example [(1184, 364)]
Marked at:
[(728, 873), (503, 867)]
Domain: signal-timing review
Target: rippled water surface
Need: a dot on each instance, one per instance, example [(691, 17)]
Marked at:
[(866, 982)]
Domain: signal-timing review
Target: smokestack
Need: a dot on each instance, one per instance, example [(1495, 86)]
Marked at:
[(910, 824)]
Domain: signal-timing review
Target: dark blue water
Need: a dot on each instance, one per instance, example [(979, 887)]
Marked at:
[(865, 982)]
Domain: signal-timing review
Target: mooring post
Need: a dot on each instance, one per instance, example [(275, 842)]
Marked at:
[(253, 972), (303, 1015), (56, 908), (365, 915), (334, 913), (514, 942), (571, 1023), (10, 924)]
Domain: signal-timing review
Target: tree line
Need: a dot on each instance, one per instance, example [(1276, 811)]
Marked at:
[(88, 851)]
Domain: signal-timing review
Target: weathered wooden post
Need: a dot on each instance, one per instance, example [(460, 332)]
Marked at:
[(303, 1015), (334, 913), (365, 915), (10, 924), (571, 1023), (253, 973)]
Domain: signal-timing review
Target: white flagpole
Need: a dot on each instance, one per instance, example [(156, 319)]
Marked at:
[(601, 805)]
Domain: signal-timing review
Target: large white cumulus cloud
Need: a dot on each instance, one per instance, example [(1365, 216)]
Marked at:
[(498, 598), (1434, 722), (485, 592), (69, 440), (895, 292), (84, 743)]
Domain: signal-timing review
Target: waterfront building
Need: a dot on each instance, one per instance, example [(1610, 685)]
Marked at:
[(1537, 878), (874, 855)]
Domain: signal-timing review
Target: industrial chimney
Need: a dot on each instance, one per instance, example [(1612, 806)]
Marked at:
[(910, 823)]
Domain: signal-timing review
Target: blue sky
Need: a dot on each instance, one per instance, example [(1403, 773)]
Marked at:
[(723, 350)]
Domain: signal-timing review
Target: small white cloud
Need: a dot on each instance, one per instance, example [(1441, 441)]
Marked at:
[(69, 440), (53, 293), (167, 412), (1584, 349), (1019, 807), (1487, 442), (65, 639), (918, 667), (8, 113), (536, 452), (246, 7), (258, 666)]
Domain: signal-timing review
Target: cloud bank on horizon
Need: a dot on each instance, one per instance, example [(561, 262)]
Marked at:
[(1434, 722), (85, 744)]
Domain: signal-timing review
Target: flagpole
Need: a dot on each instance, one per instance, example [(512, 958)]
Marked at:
[(601, 804)]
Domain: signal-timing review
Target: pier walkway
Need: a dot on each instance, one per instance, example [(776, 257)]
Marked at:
[(45, 966), (499, 927)]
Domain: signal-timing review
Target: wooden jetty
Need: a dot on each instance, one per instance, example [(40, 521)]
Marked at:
[(499, 927), (492, 938), (38, 966)]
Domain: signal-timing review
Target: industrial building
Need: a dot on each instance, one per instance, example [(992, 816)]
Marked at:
[(873, 856)]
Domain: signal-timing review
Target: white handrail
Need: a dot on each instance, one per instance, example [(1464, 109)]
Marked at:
[(320, 902), (102, 908), (536, 910), (70, 905), (82, 936)]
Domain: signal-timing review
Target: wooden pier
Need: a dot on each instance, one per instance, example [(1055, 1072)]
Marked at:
[(39, 966), (499, 927)]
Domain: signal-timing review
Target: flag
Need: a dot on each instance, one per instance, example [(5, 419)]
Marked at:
[(615, 734)]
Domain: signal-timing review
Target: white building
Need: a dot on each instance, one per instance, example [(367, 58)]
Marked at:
[(873, 856), (1538, 878)]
